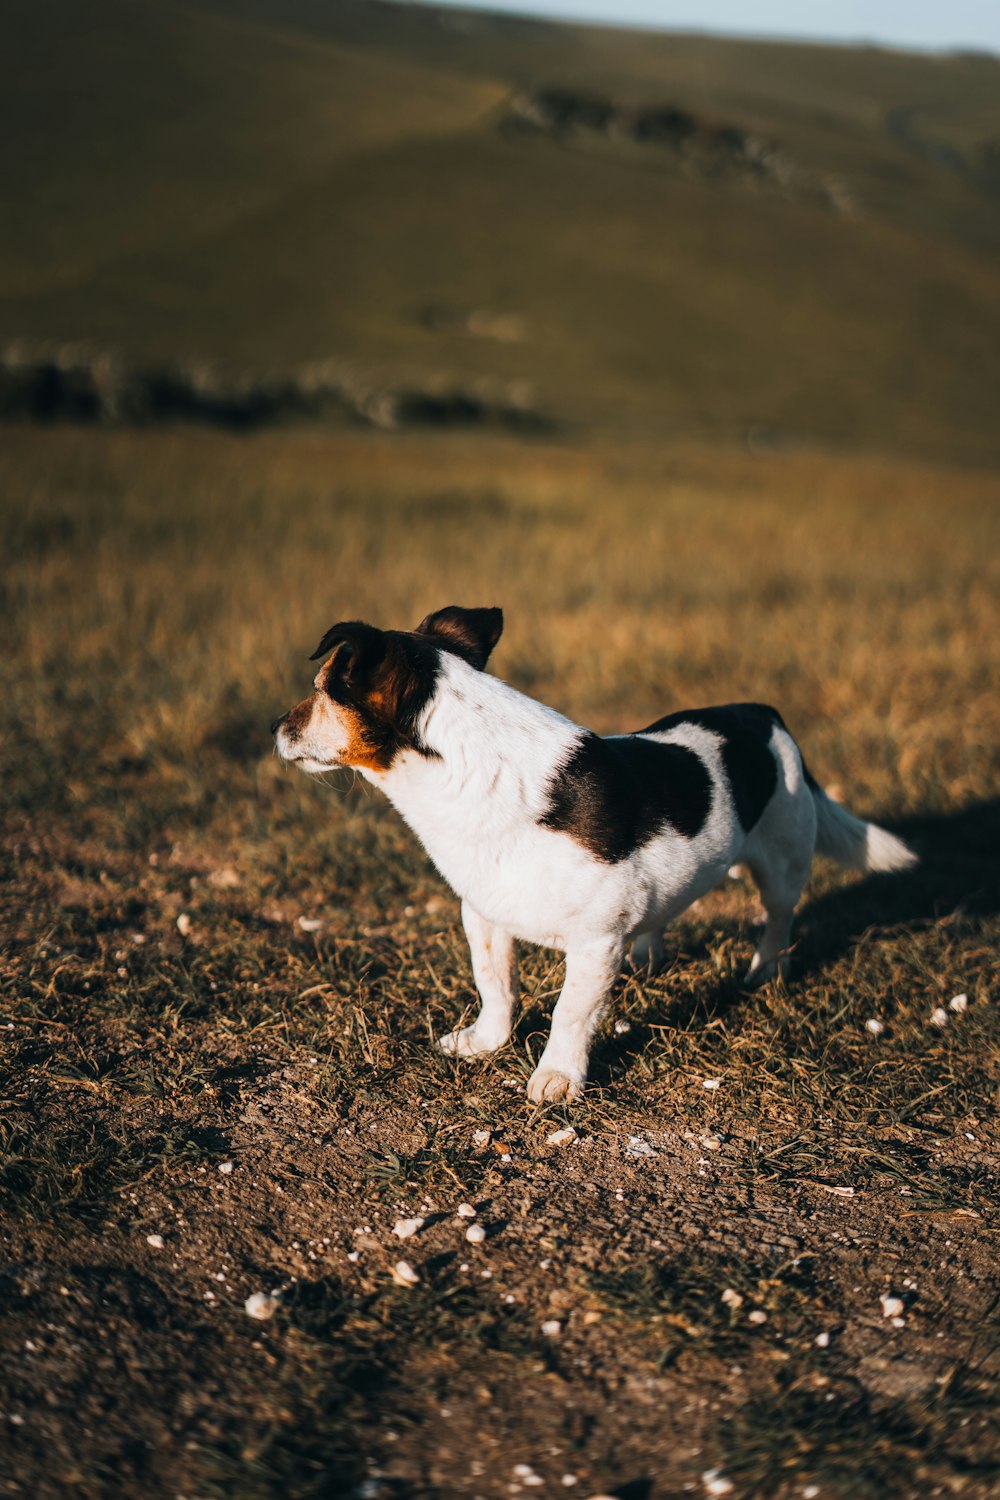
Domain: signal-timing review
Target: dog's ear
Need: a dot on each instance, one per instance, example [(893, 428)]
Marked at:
[(358, 648), (470, 633)]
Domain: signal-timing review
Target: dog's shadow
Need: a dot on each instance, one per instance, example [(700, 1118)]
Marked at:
[(958, 874)]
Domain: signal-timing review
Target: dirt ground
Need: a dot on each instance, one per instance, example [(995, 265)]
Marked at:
[(693, 1287)]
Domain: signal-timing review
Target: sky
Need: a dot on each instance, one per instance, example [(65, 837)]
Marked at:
[(901, 23)]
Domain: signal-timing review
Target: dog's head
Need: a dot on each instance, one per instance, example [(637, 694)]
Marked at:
[(373, 686)]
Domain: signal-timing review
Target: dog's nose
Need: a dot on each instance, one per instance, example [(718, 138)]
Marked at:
[(278, 723)]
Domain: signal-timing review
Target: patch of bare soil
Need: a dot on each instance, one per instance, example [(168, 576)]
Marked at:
[(629, 1301), (672, 1289)]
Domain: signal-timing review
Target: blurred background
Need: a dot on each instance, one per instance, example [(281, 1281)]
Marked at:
[(402, 214)]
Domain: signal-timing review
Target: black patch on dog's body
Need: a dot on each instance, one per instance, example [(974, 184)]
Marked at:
[(750, 765), (613, 795)]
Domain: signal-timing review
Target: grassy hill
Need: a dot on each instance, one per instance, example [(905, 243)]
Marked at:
[(275, 182)]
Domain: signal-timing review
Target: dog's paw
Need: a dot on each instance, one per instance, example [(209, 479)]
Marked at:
[(548, 1087), (469, 1042), (757, 976)]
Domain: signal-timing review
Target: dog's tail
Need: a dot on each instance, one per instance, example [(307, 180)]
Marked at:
[(853, 842)]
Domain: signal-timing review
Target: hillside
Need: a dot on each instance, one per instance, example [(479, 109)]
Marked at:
[(810, 255)]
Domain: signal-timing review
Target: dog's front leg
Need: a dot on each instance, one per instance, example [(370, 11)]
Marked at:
[(494, 963), (562, 1067)]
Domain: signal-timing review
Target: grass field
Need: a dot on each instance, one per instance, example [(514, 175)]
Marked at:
[(768, 470), (211, 961)]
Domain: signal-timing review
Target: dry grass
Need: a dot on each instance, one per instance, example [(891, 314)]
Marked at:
[(162, 593)]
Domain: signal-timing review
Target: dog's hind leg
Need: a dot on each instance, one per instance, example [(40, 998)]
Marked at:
[(772, 956), (647, 954), (779, 857), (494, 964), (562, 1067)]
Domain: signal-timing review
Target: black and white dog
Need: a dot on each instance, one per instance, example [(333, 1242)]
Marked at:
[(552, 834)]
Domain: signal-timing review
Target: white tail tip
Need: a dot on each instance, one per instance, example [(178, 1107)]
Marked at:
[(884, 851)]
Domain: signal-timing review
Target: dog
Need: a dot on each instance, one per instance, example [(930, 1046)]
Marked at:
[(554, 835)]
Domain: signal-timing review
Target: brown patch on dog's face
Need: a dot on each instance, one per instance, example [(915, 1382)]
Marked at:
[(297, 719), (369, 695), (366, 714), (373, 686)]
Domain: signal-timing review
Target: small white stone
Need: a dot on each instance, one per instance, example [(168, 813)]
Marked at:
[(875, 1027), (183, 924), (475, 1234), (354, 1256), (308, 924), (638, 1147), (716, 1483), (403, 1274), (822, 1340), (225, 1167), (481, 1137), (958, 1003), (757, 1316), (939, 1017), (714, 1083), (622, 1028), (710, 1142), (898, 1322), (405, 1229), (891, 1306), (569, 1480), (465, 1211), (561, 1137), (156, 1240), (262, 1305), (732, 1299), (552, 1328), (810, 1492)]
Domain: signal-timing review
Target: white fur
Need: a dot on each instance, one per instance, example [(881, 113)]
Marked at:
[(476, 805)]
